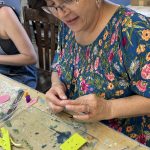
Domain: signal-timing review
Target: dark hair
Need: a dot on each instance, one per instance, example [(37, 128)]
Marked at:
[(36, 4)]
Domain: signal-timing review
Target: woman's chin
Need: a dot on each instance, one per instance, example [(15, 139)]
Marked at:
[(74, 25), (76, 28)]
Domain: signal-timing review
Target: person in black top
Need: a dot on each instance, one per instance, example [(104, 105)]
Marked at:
[(17, 55)]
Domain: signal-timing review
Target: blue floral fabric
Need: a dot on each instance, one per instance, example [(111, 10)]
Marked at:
[(115, 65)]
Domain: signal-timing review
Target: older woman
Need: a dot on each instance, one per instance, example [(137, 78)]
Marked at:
[(17, 54), (101, 69)]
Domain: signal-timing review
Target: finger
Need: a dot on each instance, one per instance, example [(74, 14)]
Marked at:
[(78, 108), (82, 117), (53, 98), (58, 92), (55, 108), (78, 101), (62, 94)]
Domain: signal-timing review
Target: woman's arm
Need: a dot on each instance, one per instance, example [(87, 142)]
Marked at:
[(11, 28), (130, 106), (97, 108), (55, 79)]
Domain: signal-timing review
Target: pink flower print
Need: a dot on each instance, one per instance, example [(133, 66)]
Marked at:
[(124, 41), (129, 13), (146, 72), (62, 53), (96, 64), (141, 85), (141, 138), (59, 71), (84, 86), (87, 53), (76, 73), (77, 59), (113, 123), (110, 76), (110, 57), (120, 55), (113, 38)]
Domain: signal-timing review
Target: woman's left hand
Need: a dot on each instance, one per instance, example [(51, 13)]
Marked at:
[(89, 108)]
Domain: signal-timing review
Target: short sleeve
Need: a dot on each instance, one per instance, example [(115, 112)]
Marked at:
[(136, 53)]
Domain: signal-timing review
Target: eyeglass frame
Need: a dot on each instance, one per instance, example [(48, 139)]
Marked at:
[(48, 9)]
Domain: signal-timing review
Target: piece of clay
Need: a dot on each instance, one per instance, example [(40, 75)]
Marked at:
[(4, 98), (32, 102)]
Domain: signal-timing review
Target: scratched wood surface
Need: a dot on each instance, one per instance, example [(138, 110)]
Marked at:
[(31, 132), (38, 128)]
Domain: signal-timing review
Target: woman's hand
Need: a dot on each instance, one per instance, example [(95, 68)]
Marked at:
[(54, 96), (89, 108)]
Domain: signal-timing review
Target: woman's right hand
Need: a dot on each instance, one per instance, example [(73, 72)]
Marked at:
[(55, 94)]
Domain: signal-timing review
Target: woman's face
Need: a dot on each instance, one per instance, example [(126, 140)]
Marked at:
[(77, 15)]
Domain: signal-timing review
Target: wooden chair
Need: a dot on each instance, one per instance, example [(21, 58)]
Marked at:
[(42, 29)]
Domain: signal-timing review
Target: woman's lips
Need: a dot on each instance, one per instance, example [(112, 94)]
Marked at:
[(71, 21)]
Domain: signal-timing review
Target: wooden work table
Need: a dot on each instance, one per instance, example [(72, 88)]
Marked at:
[(106, 138)]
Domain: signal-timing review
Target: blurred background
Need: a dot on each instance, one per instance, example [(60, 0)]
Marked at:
[(122, 2)]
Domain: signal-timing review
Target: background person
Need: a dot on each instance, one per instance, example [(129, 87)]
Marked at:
[(17, 54)]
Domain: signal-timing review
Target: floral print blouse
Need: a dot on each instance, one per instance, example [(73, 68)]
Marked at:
[(115, 65)]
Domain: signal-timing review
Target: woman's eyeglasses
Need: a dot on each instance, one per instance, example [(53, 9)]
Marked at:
[(52, 9)]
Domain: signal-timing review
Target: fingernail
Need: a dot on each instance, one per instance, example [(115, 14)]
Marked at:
[(75, 116), (63, 97)]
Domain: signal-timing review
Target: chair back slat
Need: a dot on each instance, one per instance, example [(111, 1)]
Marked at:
[(47, 43), (38, 37), (42, 28), (53, 44)]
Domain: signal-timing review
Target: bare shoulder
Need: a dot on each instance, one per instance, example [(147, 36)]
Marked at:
[(6, 12), (8, 16), (7, 19)]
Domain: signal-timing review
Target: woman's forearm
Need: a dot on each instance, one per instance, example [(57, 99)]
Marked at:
[(130, 106), (17, 60), (55, 78)]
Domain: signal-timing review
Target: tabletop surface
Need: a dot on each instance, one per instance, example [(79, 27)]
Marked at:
[(37, 128)]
